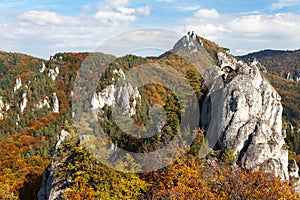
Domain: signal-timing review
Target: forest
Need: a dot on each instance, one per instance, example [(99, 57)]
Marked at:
[(28, 138)]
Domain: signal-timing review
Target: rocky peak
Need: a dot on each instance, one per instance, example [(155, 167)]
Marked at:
[(242, 111), (190, 42)]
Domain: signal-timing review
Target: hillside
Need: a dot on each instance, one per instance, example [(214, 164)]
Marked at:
[(51, 113), (285, 64)]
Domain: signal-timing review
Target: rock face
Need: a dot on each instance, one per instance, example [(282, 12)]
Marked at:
[(52, 188), (243, 112), (18, 84), (53, 73), (23, 104), (190, 42), (43, 67), (43, 103), (125, 97), (294, 77), (55, 103), (106, 97)]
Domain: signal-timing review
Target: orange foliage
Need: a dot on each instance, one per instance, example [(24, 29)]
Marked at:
[(189, 179)]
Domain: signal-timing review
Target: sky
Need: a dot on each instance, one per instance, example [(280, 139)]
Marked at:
[(43, 28)]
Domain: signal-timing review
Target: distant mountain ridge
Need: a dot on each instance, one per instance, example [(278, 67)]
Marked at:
[(285, 64)]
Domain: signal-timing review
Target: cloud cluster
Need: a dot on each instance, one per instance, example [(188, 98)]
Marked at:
[(284, 3), (42, 33), (245, 33), (168, 1), (112, 12)]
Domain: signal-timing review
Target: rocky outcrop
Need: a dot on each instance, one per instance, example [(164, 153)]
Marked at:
[(260, 66), (53, 73), (293, 77), (190, 43), (127, 99), (55, 103), (242, 111), (23, 104), (106, 97), (18, 84), (43, 67), (53, 186), (43, 103), (124, 97)]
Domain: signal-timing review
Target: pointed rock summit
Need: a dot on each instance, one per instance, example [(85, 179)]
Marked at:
[(243, 112), (190, 42)]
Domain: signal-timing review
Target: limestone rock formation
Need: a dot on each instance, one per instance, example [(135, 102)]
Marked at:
[(52, 187), (43, 103), (125, 97), (55, 103), (243, 112), (53, 73), (293, 77), (23, 104), (43, 67), (106, 97), (191, 42), (18, 84)]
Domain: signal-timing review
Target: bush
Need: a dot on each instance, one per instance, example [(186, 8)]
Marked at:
[(228, 157)]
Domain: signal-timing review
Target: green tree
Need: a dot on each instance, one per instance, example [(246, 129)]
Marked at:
[(228, 156)]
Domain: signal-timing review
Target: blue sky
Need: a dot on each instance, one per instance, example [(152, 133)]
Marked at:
[(42, 28)]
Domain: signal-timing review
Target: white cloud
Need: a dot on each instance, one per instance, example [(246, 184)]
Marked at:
[(117, 3), (144, 11), (168, 1), (46, 17), (284, 3), (245, 51), (41, 33), (279, 25), (247, 31), (154, 39), (206, 13), (119, 11), (114, 17), (185, 8)]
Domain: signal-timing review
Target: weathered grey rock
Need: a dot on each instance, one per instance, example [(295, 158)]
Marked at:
[(189, 42), (43, 67), (293, 170), (122, 96), (43, 103), (127, 99), (243, 111), (18, 84), (23, 104), (53, 73), (105, 97), (260, 66), (53, 186), (55, 103)]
